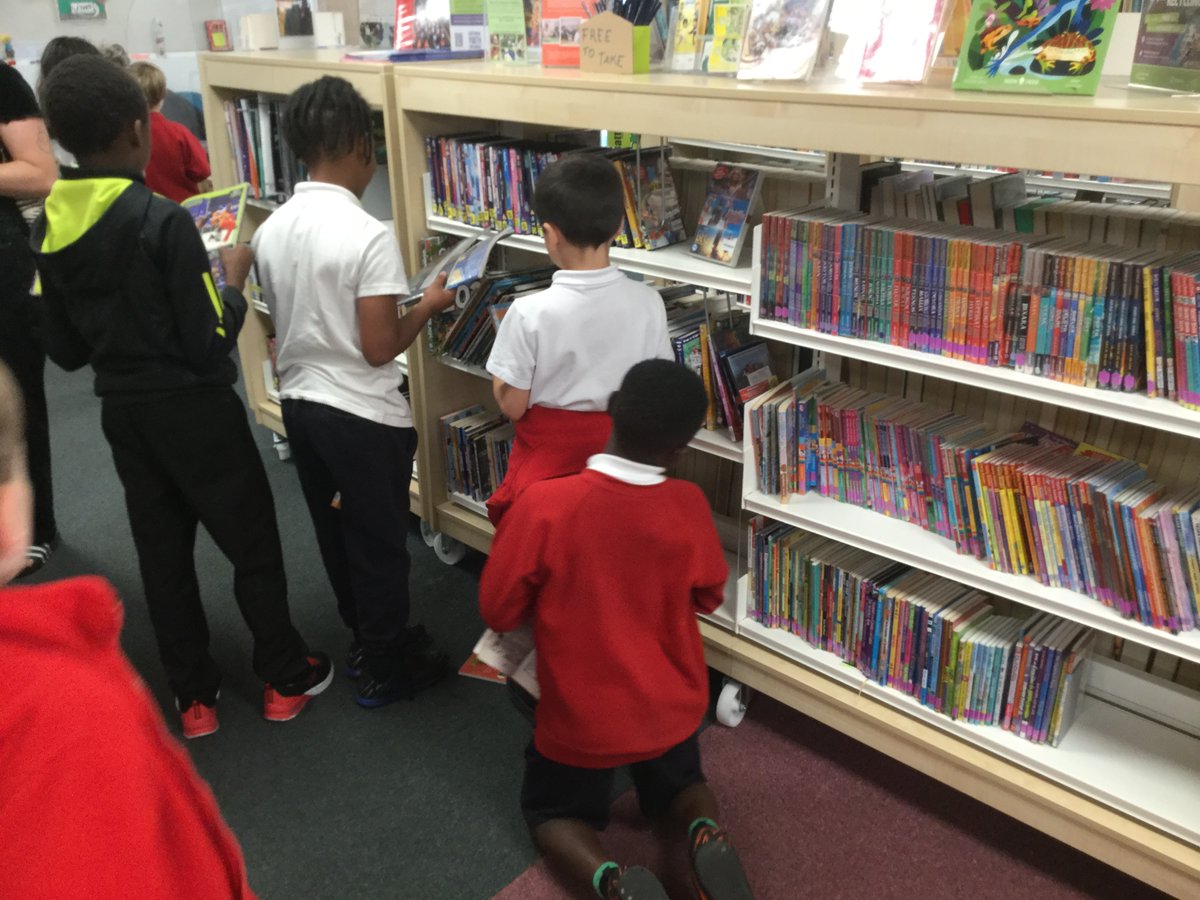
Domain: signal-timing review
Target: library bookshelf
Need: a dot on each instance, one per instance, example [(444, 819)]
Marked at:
[(227, 76), (1124, 785)]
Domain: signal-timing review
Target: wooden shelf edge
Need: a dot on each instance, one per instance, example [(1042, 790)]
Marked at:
[(463, 525), (1143, 852)]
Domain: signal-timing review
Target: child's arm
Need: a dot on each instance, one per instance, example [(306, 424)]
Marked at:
[(64, 344), (512, 577), (195, 160), (513, 402), (208, 320), (382, 333), (511, 364), (711, 570)]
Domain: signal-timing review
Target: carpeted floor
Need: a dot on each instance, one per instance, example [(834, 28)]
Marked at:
[(419, 800), (816, 814)]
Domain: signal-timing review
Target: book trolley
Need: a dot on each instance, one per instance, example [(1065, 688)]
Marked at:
[(1124, 784)]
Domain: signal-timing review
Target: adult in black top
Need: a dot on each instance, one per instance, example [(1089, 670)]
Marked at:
[(27, 171)]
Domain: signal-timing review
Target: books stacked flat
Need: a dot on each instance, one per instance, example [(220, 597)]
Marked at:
[(487, 181), (932, 639), (477, 444), (1098, 316), (1071, 516)]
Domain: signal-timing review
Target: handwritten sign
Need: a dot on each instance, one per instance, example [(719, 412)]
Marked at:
[(610, 44)]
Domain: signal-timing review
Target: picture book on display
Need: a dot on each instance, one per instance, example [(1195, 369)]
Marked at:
[(905, 41), (423, 25), (652, 205), (561, 20), (724, 218), (691, 27), (1036, 45), (783, 39), (506, 32), (218, 217), (1167, 54), (729, 20)]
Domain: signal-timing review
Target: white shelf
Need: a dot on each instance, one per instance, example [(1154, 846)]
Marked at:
[(480, 509), (725, 615), (1137, 409), (477, 371), (717, 443), (1130, 763), (912, 545), (267, 205), (674, 263)]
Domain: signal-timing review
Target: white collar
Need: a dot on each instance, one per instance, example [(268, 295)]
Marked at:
[(587, 277), (626, 470), (312, 187)]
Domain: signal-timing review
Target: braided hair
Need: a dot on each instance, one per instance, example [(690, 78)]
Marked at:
[(327, 119)]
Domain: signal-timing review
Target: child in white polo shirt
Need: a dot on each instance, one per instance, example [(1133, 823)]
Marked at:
[(562, 352), (331, 275)]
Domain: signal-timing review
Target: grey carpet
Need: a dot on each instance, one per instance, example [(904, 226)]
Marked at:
[(415, 800)]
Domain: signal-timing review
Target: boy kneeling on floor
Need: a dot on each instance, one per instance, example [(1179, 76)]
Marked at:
[(611, 566)]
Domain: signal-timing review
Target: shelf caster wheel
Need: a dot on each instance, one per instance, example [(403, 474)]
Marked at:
[(283, 449), (428, 535), (731, 704), (449, 550)]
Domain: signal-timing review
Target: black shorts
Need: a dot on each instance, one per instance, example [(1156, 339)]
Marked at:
[(552, 790)]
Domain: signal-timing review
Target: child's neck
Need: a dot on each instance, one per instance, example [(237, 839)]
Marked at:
[(659, 461), (581, 259), (337, 174)]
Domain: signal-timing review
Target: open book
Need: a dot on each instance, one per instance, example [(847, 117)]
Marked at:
[(218, 218), (512, 655)]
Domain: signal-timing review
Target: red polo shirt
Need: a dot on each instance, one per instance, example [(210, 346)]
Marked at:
[(177, 161)]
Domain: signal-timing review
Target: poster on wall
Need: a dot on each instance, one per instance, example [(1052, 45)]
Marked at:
[(81, 9)]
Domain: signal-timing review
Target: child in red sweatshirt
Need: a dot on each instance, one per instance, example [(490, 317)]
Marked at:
[(96, 799), (560, 353), (611, 566)]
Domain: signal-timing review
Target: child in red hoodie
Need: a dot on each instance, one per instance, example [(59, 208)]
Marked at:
[(178, 166), (611, 566), (96, 799)]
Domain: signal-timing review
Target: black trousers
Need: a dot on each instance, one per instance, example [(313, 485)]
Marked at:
[(190, 459), (21, 350), (363, 541)]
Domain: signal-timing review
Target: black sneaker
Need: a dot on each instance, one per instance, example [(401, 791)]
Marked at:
[(356, 660), (419, 665), (634, 883), (716, 870)]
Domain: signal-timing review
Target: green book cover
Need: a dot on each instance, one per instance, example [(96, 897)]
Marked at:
[(506, 31), (1037, 46), (1167, 54)]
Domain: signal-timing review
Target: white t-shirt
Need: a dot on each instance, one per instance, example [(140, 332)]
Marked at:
[(315, 256), (571, 344)]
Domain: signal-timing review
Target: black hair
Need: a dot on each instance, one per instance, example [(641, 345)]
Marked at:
[(582, 196), (327, 119), (87, 102), (657, 409), (60, 48)]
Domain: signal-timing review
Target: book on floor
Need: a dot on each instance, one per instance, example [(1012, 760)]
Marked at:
[(1032, 46), (511, 654), (1167, 53)]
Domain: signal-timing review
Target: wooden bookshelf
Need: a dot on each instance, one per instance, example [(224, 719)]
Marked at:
[(1121, 787)]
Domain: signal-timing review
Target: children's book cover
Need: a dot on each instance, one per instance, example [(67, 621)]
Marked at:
[(1036, 45), (218, 218), (904, 42), (654, 201), (783, 38), (1167, 54), (724, 218), (691, 27), (506, 31), (729, 19)]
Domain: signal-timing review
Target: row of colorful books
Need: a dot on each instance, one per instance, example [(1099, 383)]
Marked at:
[(930, 638), (468, 333), (487, 181), (1098, 316), (261, 155), (1026, 502), (477, 445)]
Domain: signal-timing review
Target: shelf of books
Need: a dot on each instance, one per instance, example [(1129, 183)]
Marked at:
[(675, 263), (1107, 355)]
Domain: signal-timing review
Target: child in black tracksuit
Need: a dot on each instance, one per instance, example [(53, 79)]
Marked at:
[(127, 287)]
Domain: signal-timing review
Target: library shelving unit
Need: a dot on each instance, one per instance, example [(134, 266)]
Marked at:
[(227, 76), (1124, 785)]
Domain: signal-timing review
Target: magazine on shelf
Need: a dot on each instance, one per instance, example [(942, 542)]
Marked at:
[(1056, 46), (783, 39), (1167, 54)]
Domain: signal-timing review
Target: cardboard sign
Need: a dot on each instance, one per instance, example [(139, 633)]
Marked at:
[(610, 44)]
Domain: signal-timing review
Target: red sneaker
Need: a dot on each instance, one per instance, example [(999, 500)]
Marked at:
[(199, 720), (284, 701)]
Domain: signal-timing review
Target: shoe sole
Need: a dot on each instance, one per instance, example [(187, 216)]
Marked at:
[(309, 694), (414, 688), (719, 876), (200, 734)]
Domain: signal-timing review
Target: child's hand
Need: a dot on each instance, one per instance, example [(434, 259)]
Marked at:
[(436, 297), (236, 261)]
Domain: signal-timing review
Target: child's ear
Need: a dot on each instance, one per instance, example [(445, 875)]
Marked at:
[(138, 134)]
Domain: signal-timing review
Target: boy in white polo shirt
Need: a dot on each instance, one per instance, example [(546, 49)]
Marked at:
[(562, 352), (331, 275)]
